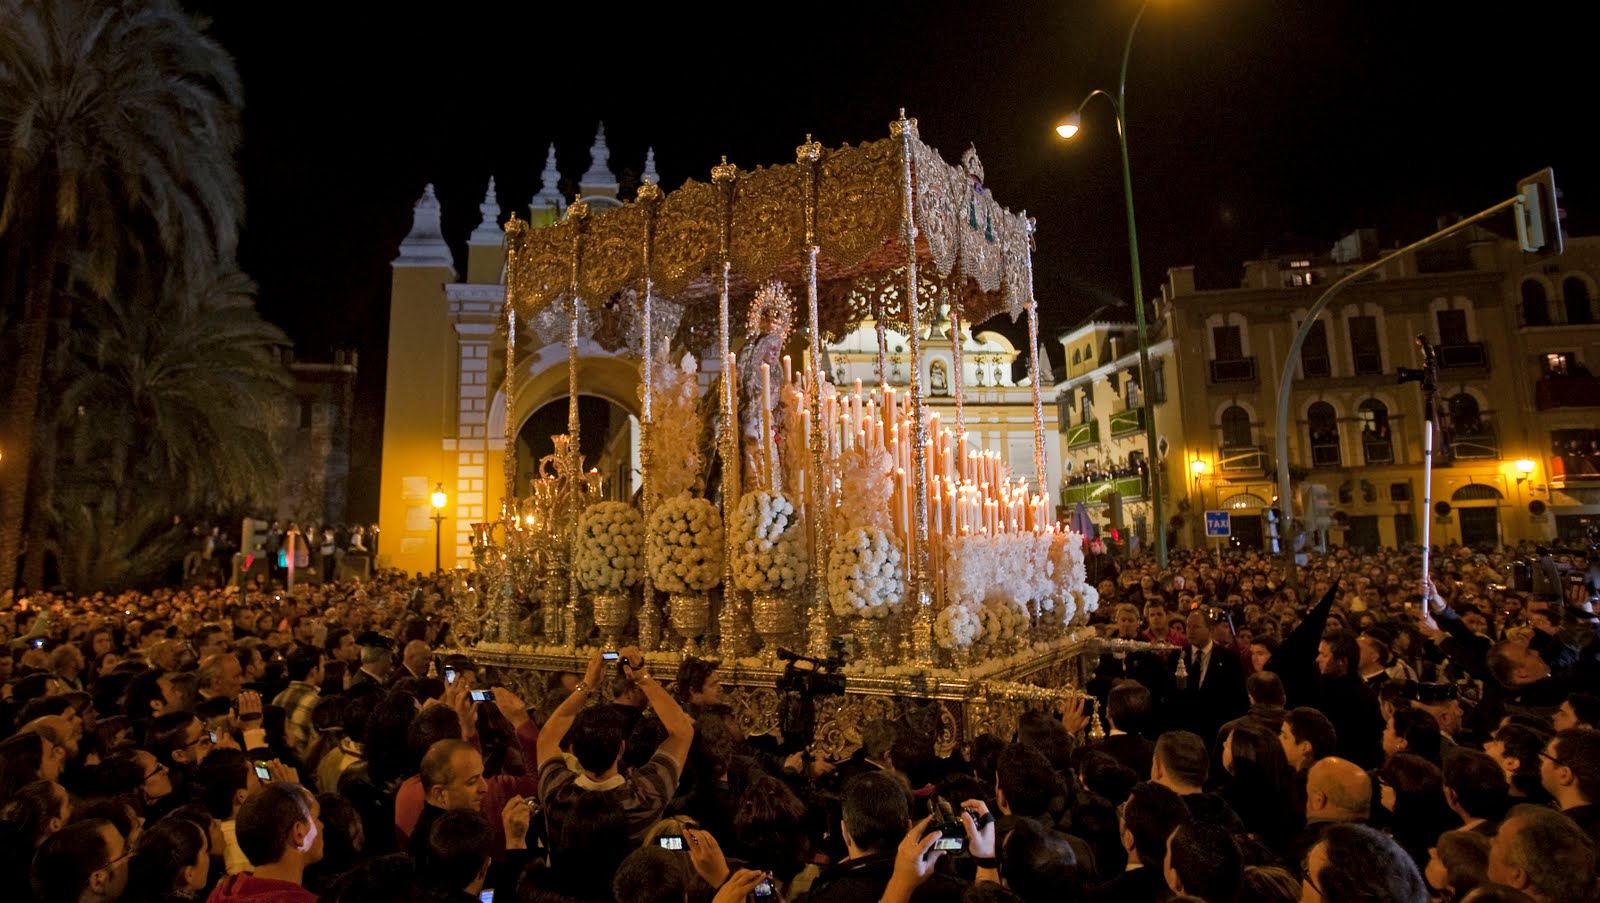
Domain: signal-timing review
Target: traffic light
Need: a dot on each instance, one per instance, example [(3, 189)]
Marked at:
[(1539, 213)]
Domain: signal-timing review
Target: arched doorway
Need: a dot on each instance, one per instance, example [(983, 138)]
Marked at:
[(1478, 508), (608, 439), (1244, 520)]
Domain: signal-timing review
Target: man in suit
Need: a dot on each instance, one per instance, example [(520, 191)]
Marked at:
[(1148, 817), (1128, 713), (1213, 690)]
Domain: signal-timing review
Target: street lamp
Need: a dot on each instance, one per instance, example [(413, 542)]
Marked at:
[(1198, 468), (1068, 128), (438, 500)]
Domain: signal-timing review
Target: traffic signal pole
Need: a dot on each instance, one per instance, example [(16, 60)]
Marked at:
[(1288, 528)]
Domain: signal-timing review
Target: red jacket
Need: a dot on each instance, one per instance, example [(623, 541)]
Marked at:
[(245, 887)]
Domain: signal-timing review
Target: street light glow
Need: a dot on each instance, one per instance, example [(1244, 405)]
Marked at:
[(438, 499), (1525, 466), (1069, 126), (1197, 467)]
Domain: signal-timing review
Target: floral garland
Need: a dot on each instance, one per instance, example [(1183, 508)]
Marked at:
[(767, 543), (864, 577), (684, 545), (610, 543), (957, 627)]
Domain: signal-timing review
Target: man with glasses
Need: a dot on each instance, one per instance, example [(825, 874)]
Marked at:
[(85, 862), (1569, 768)]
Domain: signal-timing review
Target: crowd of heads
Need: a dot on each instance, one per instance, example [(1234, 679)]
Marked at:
[(1321, 731)]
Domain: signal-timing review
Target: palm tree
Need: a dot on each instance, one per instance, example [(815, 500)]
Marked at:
[(118, 127), (166, 414)]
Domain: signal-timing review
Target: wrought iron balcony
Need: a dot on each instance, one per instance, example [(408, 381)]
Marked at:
[(1242, 459), (1567, 392), (1127, 421), (1378, 451), (1464, 354), (1081, 434), (1475, 442), (1234, 370)]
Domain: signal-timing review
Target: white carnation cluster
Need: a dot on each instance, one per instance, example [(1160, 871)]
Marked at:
[(767, 543), (1072, 576), (610, 550), (1003, 621), (684, 546), (1010, 567), (957, 627), (864, 577)]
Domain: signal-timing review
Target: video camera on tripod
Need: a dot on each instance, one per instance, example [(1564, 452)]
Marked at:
[(804, 678)]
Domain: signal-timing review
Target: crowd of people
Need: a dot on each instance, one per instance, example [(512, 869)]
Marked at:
[(1319, 733)]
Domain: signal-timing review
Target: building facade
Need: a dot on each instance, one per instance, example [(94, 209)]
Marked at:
[(1516, 408), (311, 437)]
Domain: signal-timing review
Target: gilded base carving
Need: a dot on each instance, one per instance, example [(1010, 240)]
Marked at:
[(776, 619)]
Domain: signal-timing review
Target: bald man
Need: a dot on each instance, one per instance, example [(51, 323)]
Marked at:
[(1338, 791), (415, 659)]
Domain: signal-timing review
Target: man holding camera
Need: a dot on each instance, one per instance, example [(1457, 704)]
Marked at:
[(599, 736)]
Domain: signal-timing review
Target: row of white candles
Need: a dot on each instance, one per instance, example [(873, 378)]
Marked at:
[(970, 490)]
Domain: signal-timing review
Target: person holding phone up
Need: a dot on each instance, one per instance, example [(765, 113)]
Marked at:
[(599, 739)]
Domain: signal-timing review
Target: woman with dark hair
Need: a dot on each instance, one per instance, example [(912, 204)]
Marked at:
[(589, 843), (769, 828), (1411, 790), (343, 840), (1517, 749), (171, 863), (1267, 884), (1259, 784)]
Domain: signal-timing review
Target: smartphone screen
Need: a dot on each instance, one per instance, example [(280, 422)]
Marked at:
[(763, 890), (486, 896), (449, 675), (610, 656), (483, 696), (214, 737), (262, 772), (949, 843), (671, 842)]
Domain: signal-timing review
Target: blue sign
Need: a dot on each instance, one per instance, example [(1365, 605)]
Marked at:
[(1217, 525)]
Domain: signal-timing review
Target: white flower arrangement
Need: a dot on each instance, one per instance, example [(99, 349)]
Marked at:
[(957, 627), (1013, 567), (767, 543), (610, 551), (1003, 620), (864, 577), (684, 545)]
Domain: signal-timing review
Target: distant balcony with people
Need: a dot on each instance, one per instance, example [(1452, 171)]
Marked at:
[(1473, 440), (1081, 434), (1233, 370), (1576, 459), (1092, 487)]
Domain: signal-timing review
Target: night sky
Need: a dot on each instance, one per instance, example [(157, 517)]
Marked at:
[(1254, 125)]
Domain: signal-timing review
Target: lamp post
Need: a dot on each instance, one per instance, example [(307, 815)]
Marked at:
[(1067, 129), (1524, 474), (438, 500)]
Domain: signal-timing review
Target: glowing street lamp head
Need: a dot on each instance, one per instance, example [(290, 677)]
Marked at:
[(438, 499), (1197, 467), (1525, 466), (1069, 126)]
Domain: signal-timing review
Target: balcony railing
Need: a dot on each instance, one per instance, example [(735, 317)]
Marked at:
[(1242, 458), (1567, 392), (1083, 434), (1094, 493), (1367, 363), (1235, 370), (1128, 421), (1464, 354), (1378, 451), (1574, 470), (1316, 367), (1476, 443), (1326, 454)]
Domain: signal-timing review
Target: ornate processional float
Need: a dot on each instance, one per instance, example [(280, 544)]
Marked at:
[(781, 511)]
